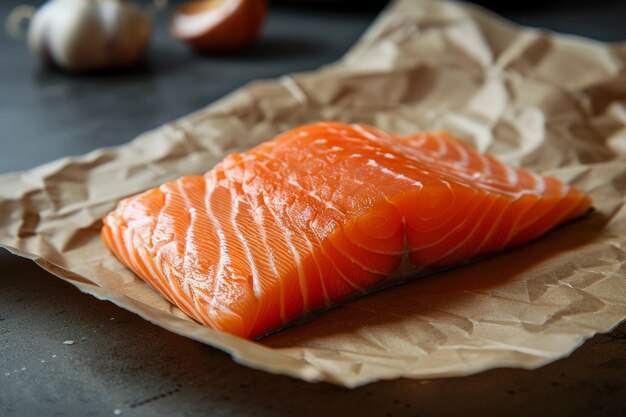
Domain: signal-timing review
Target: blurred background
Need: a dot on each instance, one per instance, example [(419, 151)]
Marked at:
[(600, 19), (58, 114)]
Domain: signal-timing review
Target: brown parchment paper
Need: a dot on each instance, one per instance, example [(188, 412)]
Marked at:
[(555, 104)]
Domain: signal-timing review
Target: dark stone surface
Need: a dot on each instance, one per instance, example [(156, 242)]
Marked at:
[(121, 362)]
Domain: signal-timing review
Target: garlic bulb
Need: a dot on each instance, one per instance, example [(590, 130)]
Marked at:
[(83, 35)]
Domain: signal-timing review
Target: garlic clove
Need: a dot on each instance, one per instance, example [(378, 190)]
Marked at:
[(39, 29), (76, 37), (127, 30), (84, 35)]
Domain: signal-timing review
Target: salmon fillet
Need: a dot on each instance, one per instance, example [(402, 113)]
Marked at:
[(323, 213)]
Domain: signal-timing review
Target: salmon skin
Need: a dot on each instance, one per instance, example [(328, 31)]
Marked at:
[(323, 213)]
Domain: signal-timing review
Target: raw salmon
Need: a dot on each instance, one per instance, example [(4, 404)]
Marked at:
[(323, 213)]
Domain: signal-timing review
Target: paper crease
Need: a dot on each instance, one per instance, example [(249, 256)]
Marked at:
[(548, 102)]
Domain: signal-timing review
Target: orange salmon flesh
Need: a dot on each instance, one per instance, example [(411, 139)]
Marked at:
[(323, 213)]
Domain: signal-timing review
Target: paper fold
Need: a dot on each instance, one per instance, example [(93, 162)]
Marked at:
[(555, 104)]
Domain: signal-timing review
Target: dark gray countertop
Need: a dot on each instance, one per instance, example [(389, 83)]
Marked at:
[(120, 363)]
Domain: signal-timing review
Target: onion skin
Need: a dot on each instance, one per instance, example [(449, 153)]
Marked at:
[(227, 27)]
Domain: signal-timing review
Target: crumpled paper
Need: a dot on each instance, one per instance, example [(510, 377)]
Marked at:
[(555, 104)]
